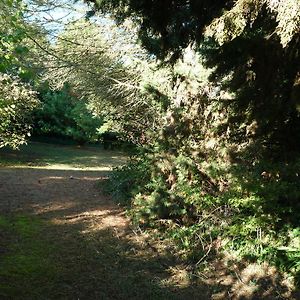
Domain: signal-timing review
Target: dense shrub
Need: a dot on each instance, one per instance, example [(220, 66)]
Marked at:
[(62, 114), (252, 211), (128, 180)]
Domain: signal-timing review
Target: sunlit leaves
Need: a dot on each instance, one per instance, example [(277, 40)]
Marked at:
[(11, 32), (288, 18), (17, 101), (234, 21)]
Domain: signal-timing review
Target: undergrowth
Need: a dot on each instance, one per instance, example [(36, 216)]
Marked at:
[(251, 211)]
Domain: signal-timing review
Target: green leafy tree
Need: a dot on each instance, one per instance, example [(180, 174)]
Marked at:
[(12, 33), (165, 27), (217, 116), (15, 44), (255, 50), (17, 101), (63, 115), (106, 71), (251, 44)]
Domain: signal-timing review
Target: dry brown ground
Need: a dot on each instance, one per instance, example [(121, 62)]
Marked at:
[(62, 195)]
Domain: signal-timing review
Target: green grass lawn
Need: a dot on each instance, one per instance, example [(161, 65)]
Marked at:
[(65, 157)]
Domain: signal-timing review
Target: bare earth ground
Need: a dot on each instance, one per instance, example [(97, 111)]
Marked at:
[(83, 247)]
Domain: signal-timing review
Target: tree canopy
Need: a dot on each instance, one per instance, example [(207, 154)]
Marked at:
[(17, 99), (170, 26), (252, 46)]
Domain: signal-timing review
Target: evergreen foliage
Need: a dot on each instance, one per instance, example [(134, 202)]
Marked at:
[(224, 155), (165, 26), (62, 115)]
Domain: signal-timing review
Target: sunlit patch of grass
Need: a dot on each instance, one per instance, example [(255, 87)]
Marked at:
[(61, 157)]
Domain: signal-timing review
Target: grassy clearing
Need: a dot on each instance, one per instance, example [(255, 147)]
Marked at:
[(26, 258), (44, 155)]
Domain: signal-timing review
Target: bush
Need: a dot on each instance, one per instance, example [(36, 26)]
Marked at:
[(126, 181), (64, 115)]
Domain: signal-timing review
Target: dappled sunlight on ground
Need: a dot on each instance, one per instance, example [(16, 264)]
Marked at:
[(96, 220), (70, 201), (28, 188), (45, 180), (78, 213), (61, 167), (70, 167)]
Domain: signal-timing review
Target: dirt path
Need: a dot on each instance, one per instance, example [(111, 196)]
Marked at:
[(66, 240), (58, 194)]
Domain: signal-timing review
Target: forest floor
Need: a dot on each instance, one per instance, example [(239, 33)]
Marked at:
[(61, 238)]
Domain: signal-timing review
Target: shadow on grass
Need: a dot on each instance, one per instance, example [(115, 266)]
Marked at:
[(47, 261), (43, 259), (31, 190), (72, 259), (60, 239)]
